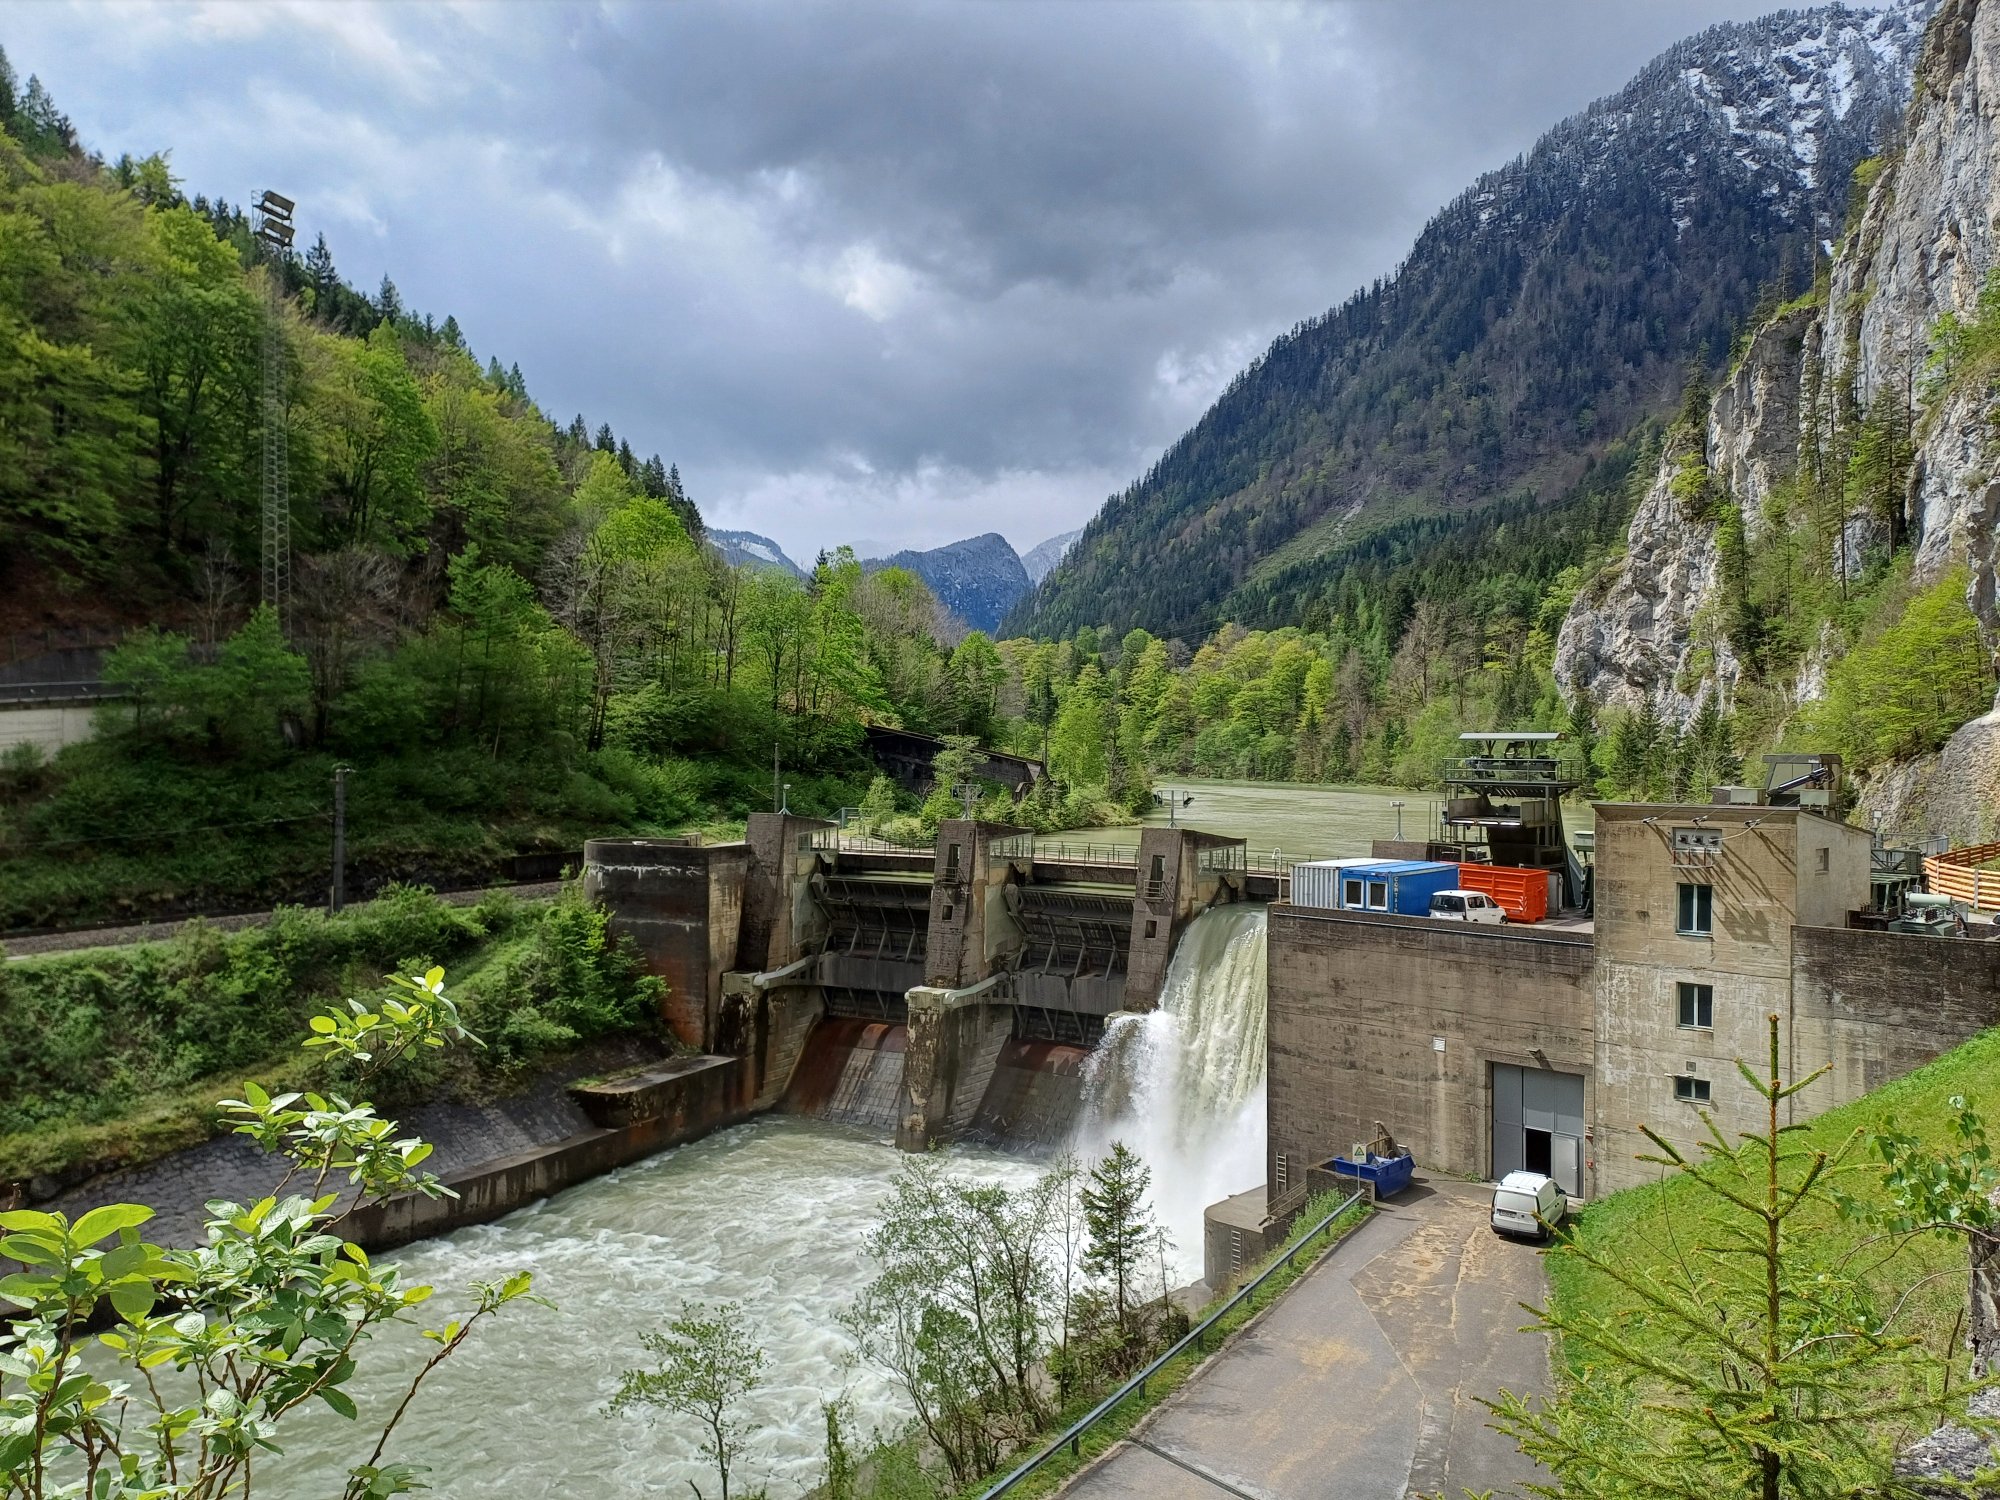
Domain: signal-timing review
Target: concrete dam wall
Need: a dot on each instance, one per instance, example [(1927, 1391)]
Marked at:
[(950, 993)]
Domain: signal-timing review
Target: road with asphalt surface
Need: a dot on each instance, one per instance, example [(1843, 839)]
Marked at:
[(1360, 1384)]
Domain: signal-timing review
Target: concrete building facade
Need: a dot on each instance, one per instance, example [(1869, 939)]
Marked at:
[(1485, 1049)]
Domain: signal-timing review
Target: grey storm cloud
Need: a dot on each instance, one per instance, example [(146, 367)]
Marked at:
[(907, 271)]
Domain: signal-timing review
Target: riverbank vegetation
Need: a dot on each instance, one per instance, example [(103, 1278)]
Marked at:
[(217, 1349), (1004, 1317), (116, 1056), (1872, 1260)]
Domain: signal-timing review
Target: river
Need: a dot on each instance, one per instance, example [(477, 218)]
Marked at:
[(771, 1214), (774, 1214)]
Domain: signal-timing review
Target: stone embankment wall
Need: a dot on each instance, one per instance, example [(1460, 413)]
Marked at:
[(500, 1155)]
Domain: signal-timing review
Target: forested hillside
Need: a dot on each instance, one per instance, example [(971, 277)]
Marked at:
[(503, 622), (1539, 317)]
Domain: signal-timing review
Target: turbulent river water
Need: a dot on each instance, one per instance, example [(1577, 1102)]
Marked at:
[(770, 1214), (773, 1215)]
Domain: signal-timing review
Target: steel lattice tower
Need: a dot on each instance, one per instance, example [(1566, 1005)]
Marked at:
[(273, 228)]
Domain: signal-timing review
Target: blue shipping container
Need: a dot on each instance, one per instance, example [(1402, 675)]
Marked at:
[(1404, 887)]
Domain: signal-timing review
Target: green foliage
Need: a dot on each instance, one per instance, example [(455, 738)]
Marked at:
[(1124, 1241), (272, 1312), (879, 806), (505, 624), (1757, 1362), (705, 1362), (113, 1054), (1918, 672), (1963, 350)]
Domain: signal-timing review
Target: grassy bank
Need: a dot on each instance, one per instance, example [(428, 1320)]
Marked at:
[(1642, 1227), (117, 1056)]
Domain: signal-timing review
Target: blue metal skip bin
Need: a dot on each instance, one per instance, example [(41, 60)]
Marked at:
[(1388, 1174)]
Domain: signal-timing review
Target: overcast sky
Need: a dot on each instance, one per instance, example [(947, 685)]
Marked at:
[(884, 273)]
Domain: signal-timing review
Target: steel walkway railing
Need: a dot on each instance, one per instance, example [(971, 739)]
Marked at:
[(1072, 1436)]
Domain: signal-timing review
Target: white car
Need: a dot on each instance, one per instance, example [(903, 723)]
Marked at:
[(1527, 1204), (1466, 906)]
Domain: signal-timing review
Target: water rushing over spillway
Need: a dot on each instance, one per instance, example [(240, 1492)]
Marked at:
[(774, 1215), (1184, 1085)]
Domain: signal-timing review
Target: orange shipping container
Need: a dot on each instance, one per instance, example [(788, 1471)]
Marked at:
[(1522, 894)]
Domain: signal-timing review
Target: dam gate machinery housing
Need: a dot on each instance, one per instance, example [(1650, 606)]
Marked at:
[(936, 993)]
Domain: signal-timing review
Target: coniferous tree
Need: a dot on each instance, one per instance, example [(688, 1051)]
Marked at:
[(321, 275), (1787, 1376), (1122, 1235), (10, 93), (389, 302)]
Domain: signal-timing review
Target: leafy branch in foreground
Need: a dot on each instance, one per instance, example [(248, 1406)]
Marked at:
[(214, 1347), (1756, 1361)]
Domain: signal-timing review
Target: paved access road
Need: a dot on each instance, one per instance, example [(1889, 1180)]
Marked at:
[(1360, 1383)]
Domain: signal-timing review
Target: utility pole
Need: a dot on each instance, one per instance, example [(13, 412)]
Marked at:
[(339, 898), (777, 787)]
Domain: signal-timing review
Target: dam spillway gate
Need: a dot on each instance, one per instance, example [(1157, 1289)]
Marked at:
[(933, 993)]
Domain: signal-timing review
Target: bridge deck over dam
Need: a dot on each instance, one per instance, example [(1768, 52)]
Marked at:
[(936, 992)]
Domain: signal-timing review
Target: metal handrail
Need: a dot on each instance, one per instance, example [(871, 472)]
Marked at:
[(1072, 1438), (1058, 852), (835, 840)]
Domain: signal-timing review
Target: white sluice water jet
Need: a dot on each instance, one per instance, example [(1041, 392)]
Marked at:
[(1183, 1085)]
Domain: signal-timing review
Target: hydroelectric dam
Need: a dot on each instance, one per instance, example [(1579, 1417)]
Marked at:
[(848, 998), (945, 994)]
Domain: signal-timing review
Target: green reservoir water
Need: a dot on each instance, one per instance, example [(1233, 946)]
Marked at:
[(1300, 822)]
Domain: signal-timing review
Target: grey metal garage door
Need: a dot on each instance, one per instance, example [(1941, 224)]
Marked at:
[(1538, 1124)]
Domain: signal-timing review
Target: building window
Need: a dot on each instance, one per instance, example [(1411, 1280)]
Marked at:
[(1825, 859), (947, 911), (1350, 893), (1378, 896), (1152, 928), (1691, 1090), (1697, 1006), (951, 859), (1697, 910)]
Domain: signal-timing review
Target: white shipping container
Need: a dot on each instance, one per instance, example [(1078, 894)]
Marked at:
[(1317, 882)]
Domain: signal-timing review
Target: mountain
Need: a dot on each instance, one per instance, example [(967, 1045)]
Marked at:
[(1043, 556), (1816, 549), (978, 579), (1542, 314), (748, 549)]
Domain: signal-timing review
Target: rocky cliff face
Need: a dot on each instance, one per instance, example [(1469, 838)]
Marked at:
[(1926, 240)]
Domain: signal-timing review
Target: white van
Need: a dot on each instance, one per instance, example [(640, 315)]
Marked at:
[(1527, 1203), (1466, 906)]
